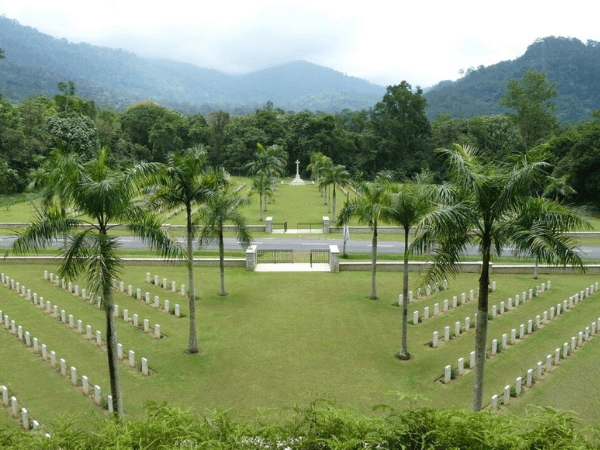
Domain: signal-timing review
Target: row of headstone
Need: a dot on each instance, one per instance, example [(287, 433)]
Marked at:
[(53, 311), (173, 212), (146, 299), (50, 356), (567, 349), (19, 413), (509, 305), (516, 336), (457, 331), (444, 307), (165, 284), (116, 313), (428, 291)]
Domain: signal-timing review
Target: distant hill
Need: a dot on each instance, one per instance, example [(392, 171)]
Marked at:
[(572, 64), (36, 62)]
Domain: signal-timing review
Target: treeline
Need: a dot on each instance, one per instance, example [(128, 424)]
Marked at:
[(394, 135), (320, 425)]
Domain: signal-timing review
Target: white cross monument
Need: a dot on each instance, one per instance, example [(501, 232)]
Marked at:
[(298, 181)]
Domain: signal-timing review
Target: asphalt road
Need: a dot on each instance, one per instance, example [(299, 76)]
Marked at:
[(306, 244)]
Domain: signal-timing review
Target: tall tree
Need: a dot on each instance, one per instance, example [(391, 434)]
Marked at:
[(184, 180), (408, 204), (484, 206), (262, 186), (335, 175), (221, 208), (107, 197), (400, 123), (368, 207), (532, 107)]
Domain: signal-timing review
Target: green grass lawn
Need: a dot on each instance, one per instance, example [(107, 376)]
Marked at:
[(280, 339)]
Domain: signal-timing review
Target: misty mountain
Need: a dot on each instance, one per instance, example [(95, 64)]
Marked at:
[(573, 65), (36, 62)]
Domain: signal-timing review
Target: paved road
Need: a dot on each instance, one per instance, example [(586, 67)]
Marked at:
[(306, 244)]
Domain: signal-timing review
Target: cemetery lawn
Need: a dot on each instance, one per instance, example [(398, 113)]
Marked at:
[(283, 338)]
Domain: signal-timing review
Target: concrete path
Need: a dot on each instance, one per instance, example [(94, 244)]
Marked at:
[(289, 267)]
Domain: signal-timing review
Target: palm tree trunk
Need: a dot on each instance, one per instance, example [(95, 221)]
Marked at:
[(404, 354), (222, 260), (260, 207), (111, 350), (193, 340), (373, 295), (481, 325), (535, 269), (333, 215)]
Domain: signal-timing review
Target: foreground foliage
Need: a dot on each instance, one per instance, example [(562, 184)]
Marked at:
[(321, 425)]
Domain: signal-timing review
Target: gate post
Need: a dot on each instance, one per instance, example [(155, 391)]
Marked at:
[(334, 258), (251, 258), (269, 224), (325, 224)]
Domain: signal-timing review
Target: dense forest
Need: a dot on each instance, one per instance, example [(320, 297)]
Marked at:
[(394, 135), (113, 78), (570, 63)]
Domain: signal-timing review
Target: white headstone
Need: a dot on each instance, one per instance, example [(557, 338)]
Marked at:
[(565, 350), (44, 352), (146, 325), (85, 384), (461, 366), (148, 277), (164, 284), (53, 359), (120, 350), (518, 385), (472, 360), (126, 315), (131, 358), (463, 298), (457, 329), (447, 374), (110, 403), (177, 311), (539, 369), (156, 281), (138, 293), (504, 341), (63, 367), (98, 338), (501, 308), (80, 326), (529, 377), (446, 334), (434, 342), (471, 295), (173, 286), (15, 405), (415, 317), (147, 297), (506, 395), (400, 299), (467, 324), (157, 330), (494, 346), (116, 310), (74, 375), (548, 363), (454, 301), (494, 314), (426, 313), (97, 394), (521, 331), (130, 290), (135, 320), (445, 305), (4, 390), (167, 306), (144, 366), (529, 326), (183, 290)]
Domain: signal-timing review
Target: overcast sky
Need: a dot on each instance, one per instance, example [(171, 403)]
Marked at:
[(382, 42)]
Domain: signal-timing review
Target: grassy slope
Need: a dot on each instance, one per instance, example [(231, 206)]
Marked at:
[(284, 338)]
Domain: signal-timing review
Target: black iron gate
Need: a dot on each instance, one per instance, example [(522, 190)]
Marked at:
[(319, 256), (309, 226), (281, 225), (274, 256)]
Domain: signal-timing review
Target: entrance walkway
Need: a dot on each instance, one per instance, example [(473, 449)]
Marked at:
[(296, 231), (290, 267)]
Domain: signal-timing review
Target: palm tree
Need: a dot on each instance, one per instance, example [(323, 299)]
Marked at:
[(266, 164), (184, 179), (106, 196), (220, 208), (318, 165), (408, 204), (262, 185), (335, 175), (486, 205), (368, 207)]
